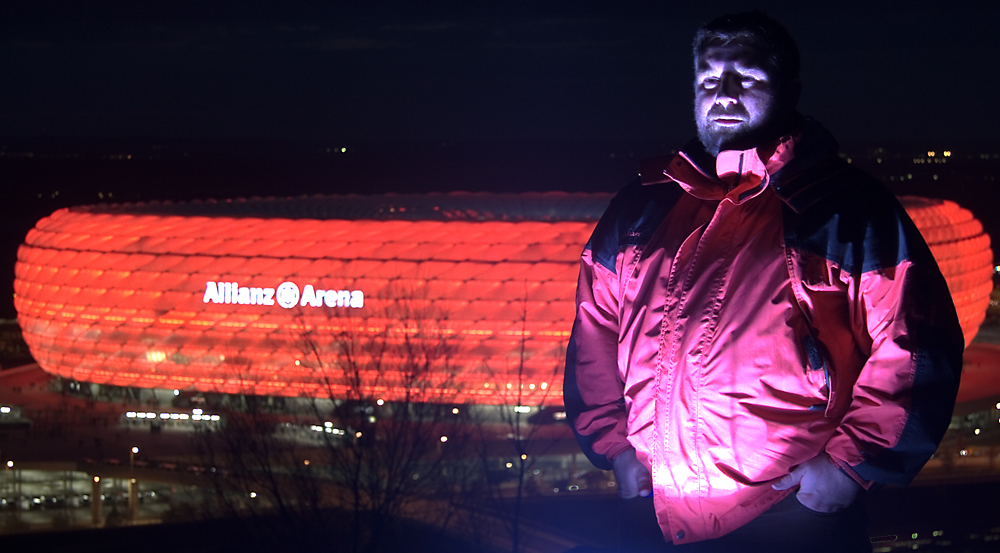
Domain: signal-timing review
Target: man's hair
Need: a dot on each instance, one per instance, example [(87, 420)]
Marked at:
[(758, 30)]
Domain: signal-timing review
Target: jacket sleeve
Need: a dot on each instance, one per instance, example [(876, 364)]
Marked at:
[(902, 316), (592, 389)]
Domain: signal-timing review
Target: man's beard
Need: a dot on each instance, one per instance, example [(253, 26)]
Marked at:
[(716, 138)]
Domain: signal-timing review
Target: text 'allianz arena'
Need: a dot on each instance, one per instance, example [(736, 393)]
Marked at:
[(463, 298)]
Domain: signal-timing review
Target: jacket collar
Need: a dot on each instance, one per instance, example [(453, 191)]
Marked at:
[(799, 168)]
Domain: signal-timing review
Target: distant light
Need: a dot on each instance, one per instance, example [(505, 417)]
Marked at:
[(98, 479), (509, 385), (164, 415), (177, 392), (253, 495), (196, 411), (963, 452), (977, 432), (947, 153), (328, 424), (5, 409), (10, 464), (559, 415), (357, 434), (454, 410), (297, 362), (545, 385), (913, 535), (524, 456), (931, 153), (522, 409), (509, 465), (444, 439), (135, 450), (306, 462), (380, 402), (343, 150)]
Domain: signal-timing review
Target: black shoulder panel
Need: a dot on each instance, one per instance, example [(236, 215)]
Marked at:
[(859, 225), (631, 219)]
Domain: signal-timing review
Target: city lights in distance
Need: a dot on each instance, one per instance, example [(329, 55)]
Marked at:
[(444, 439), (135, 450), (522, 409)]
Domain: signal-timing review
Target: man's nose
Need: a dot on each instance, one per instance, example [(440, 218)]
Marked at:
[(728, 92)]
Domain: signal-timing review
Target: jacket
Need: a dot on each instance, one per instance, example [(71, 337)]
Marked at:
[(732, 327)]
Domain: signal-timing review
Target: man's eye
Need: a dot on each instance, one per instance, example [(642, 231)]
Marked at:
[(710, 83), (748, 82)]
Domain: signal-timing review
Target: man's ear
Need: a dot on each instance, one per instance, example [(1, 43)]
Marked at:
[(792, 92)]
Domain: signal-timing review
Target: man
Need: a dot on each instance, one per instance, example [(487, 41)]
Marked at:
[(761, 333)]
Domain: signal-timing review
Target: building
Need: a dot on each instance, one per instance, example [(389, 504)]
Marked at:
[(467, 298), (463, 298)]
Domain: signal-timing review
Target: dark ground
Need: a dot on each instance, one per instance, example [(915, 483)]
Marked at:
[(952, 518)]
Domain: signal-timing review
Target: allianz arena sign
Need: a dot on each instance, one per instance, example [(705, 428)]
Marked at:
[(286, 295)]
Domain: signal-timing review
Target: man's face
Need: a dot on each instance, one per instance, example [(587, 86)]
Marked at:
[(735, 100)]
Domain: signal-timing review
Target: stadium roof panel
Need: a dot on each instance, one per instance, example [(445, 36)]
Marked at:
[(457, 206)]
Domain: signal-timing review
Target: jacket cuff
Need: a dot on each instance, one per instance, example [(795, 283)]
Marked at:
[(617, 450), (846, 469)]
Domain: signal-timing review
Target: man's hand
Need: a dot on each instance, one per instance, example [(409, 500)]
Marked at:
[(822, 485), (632, 477)]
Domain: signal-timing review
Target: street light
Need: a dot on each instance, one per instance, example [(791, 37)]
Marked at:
[(131, 484)]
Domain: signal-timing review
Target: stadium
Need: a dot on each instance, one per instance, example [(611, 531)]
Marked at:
[(463, 298)]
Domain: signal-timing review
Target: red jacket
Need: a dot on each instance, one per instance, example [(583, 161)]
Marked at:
[(732, 328)]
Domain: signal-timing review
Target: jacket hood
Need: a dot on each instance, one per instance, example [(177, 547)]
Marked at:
[(787, 166)]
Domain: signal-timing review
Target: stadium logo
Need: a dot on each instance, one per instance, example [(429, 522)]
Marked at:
[(287, 295)]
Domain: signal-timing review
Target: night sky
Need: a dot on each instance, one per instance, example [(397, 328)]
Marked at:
[(477, 71)]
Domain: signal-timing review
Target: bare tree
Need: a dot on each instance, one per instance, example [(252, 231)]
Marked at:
[(511, 436), (373, 446)]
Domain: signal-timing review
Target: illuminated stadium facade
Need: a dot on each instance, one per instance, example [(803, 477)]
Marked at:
[(346, 296), (268, 296)]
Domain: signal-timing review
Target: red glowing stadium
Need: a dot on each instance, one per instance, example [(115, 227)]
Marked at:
[(467, 297)]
